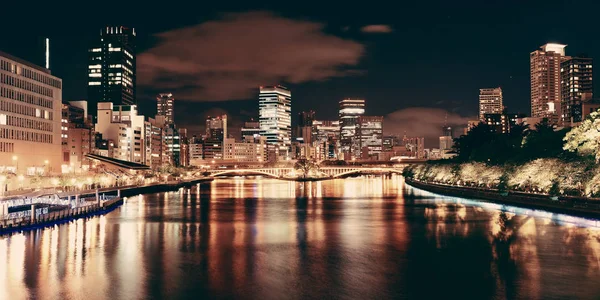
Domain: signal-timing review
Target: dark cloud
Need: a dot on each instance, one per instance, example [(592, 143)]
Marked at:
[(378, 28), (228, 59), (424, 122)]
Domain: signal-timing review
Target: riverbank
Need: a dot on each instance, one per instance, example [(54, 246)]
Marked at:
[(576, 206), (114, 199)]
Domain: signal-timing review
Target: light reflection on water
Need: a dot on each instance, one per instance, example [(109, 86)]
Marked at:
[(267, 239)]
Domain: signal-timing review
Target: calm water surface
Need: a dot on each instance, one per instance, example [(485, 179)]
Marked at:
[(358, 238)]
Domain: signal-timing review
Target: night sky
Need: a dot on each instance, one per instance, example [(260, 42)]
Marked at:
[(413, 63)]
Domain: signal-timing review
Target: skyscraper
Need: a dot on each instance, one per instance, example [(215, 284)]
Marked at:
[(370, 136), (545, 81), (304, 130), (216, 133), (490, 101), (577, 87), (350, 110), (111, 68), (275, 117), (164, 106)]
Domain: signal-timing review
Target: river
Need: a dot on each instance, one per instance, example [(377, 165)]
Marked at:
[(368, 237)]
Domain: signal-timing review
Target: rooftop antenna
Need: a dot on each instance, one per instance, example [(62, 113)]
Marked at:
[(47, 53)]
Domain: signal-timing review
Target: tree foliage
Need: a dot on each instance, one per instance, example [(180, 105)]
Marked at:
[(305, 166), (484, 144), (585, 138)]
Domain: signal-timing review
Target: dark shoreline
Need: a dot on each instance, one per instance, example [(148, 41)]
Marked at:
[(574, 206)]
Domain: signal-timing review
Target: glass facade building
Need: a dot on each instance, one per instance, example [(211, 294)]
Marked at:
[(275, 117), (112, 68), (350, 110)]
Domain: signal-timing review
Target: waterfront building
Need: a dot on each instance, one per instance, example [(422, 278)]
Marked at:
[(165, 106), (350, 110), (77, 137), (369, 134), (216, 132), (172, 141), (124, 128), (154, 143), (245, 151), (196, 157), (30, 117), (184, 157), (490, 101), (545, 73), (577, 88), (275, 109), (112, 68)]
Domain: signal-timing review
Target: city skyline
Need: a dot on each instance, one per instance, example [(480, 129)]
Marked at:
[(377, 78)]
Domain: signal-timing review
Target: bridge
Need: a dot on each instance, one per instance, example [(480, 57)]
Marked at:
[(327, 172)]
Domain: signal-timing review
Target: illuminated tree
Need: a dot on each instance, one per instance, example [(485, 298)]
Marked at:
[(585, 138), (306, 165)]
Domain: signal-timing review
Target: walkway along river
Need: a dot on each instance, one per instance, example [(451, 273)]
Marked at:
[(41, 213), (582, 207)]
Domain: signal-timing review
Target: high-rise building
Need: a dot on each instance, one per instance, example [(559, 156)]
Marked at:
[(184, 153), (350, 110), (164, 106), (490, 101), (577, 87), (545, 81), (112, 68), (30, 117), (275, 111), (326, 134), (370, 136), (216, 132), (304, 129), (154, 143), (251, 131)]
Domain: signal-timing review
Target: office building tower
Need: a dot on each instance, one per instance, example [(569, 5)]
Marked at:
[(490, 101), (370, 136), (124, 128), (545, 81), (30, 117), (164, 106), (154, 143), (350, 110), (446, 143), (304, 129), (251, 131), (184, 153), (577, 87), (275, 109), (216, 132), (326, 134), (112, 68)]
